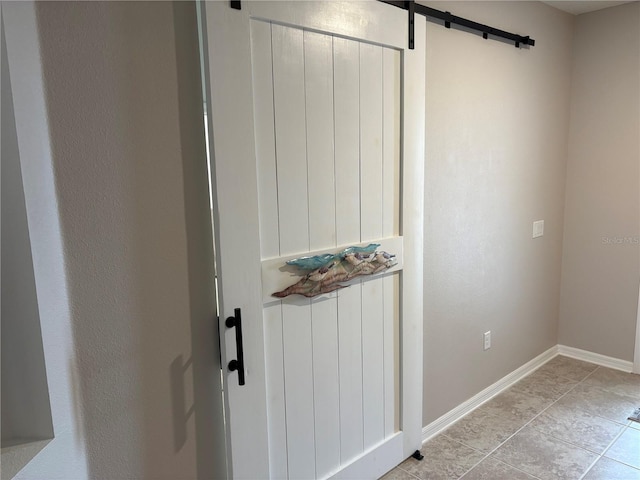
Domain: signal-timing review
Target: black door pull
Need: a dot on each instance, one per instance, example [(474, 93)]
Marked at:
[(238, 363)]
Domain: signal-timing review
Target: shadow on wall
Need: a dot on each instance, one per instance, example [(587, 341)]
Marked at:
[(211, 455), (125, 113)]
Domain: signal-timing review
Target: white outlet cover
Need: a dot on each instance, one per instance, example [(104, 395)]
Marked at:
[(538, 228), (487, 340)]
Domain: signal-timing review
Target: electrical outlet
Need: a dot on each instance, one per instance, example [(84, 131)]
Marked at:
[(487, 340), (538, 228)]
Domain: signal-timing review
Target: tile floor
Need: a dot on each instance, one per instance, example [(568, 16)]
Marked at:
[(567, 420)]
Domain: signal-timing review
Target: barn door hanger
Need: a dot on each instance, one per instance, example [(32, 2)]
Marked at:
[(411, 9), (449, 19)]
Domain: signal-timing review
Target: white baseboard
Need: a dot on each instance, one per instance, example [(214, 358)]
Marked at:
[(449, 418), (596, 358)]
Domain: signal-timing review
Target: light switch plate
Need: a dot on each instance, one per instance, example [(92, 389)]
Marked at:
[(538, 228)]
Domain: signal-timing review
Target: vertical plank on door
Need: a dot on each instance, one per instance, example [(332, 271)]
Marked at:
[(298, 371), (346, 60), (391, 143), (291, 151), (372, 361), (390, 300), (319, 106), (371, 123), (265, 137), (318, 60), (350, 357), (396, 350), (274, 362), (291, 143), (390, 222), (269, 239), (371, 141), (326, 394)]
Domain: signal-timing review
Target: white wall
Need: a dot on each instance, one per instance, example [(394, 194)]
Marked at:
[(119, 216), (496, 143), (26, 413), (601, 255), (45, 236), (25, 398)]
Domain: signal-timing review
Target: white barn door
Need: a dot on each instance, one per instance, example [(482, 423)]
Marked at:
[(317, 136)]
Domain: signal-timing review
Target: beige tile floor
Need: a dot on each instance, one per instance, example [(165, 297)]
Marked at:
[(567, 420)]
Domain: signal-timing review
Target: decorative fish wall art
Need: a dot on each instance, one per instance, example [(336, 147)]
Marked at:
[(326, 272)]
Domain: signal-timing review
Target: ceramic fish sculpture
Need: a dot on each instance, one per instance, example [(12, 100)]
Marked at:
[(328, 271)]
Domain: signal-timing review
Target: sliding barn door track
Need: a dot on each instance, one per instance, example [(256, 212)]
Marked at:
[(447, 18)]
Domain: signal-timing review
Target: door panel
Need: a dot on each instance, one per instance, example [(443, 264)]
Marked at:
[(325, 116), (307, 170)]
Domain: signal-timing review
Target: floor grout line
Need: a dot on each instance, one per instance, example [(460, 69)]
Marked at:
[(520, 429), (518, 469), (593, 464), (599, 456), (474, 449), (407, 472), (602, 455), (611, 445)]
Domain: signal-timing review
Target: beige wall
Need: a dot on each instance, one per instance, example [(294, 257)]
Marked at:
[(496, 143), (25, 399), (601, 255), (127, 306)]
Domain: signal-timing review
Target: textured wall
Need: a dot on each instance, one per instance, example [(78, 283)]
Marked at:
[(25, 398), (601, 255), (64, 457), (496, 142), (132, 366)]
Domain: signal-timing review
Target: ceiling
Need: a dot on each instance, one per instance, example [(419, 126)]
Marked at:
[(577, 7)]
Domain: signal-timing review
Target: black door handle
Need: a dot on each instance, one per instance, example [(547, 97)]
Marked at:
[(238, 363)]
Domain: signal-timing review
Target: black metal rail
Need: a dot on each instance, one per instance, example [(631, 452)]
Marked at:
[(450, 19), (412, 7)]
